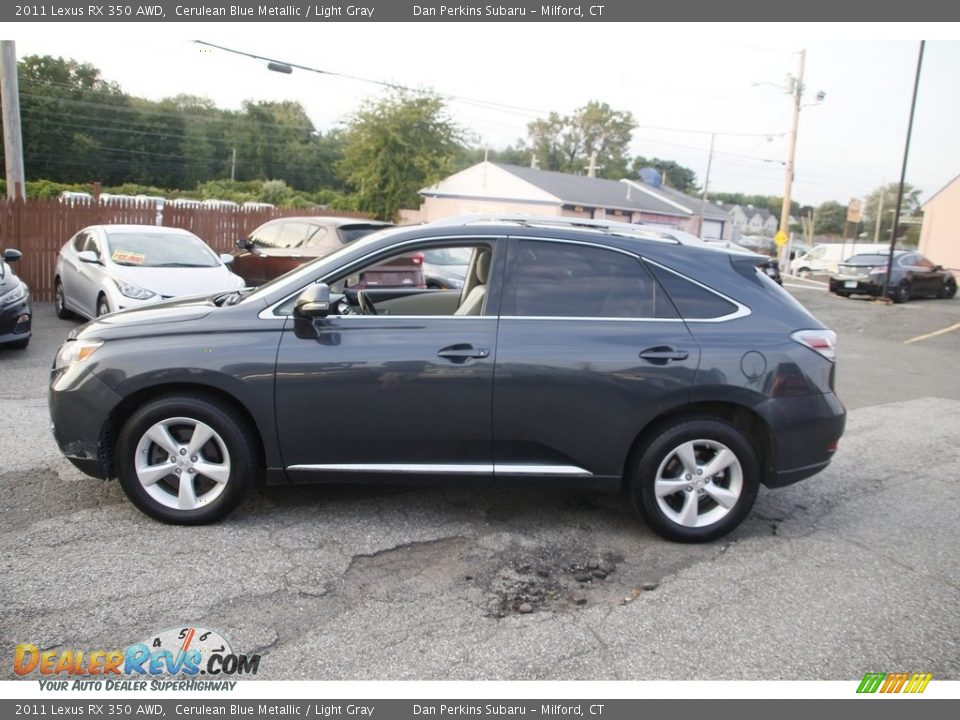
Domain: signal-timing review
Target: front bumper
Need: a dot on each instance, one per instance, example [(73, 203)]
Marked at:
[(15, 320), (80, 406)]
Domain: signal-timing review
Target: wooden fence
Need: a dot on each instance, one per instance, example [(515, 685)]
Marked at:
[(40, 227)]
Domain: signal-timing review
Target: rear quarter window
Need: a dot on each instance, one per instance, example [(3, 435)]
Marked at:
[(693, 301)]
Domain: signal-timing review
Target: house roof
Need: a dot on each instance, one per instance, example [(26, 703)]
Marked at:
[(617, 194), (930, 199)]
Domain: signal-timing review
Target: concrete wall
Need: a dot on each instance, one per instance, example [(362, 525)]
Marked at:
[(940, 233)]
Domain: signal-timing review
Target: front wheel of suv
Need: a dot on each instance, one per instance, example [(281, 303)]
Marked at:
[(696, 480), (186, 459)]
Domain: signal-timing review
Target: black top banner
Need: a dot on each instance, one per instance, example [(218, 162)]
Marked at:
[(506, 11)]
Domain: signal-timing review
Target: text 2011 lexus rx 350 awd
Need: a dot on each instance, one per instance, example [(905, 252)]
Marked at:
[(673, 370)]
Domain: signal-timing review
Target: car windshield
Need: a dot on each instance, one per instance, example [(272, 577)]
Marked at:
[(447, 256), (866, 259), (334, 258), (156, 250)]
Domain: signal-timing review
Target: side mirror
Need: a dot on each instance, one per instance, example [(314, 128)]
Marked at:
[(226, 258), (11, 255), (314, 302), (87, 256), (937, 268), (243, 243)]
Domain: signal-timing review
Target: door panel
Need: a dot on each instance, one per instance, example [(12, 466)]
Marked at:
[(374, 393), (576, 392)]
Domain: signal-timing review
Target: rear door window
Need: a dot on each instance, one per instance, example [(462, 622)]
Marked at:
[(556, 279)]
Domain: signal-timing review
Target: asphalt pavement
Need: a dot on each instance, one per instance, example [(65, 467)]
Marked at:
[(851, 571)]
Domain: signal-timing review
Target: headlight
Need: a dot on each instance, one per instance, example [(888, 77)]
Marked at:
[(74, 351), (15, 295), (132, 291)]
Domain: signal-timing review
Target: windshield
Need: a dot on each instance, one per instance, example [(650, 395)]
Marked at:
[(866, 259), (145, 249), (334, 258)]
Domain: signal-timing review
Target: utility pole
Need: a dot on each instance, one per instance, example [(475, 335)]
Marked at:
[(12, 139), (233, 164), (797, 92), (903, 173), (876, 230), (706, 185), (592, 169)]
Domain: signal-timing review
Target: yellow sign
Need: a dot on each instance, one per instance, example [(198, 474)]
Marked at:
[(854, 211), (780, 238)]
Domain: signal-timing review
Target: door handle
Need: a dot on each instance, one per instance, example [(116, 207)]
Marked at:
[(462, 353), (663, 354)]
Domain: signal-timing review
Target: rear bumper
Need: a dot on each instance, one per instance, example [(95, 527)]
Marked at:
[(855, 286), (806, 431)]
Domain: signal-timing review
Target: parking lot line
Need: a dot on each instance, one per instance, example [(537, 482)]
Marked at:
[(941, 331)]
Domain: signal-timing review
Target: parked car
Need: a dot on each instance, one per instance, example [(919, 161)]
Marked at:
[(574, 352), (912, 275), (278, 246), (446, 268), (105, 268), (825, 257), (16, 311)]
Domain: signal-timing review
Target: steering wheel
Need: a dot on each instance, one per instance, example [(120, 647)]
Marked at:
[(366, 306)]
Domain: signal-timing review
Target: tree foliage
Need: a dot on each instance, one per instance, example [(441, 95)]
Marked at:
[(567, 143), (674, 175), (395, 146), (873, 206), (830, 218)]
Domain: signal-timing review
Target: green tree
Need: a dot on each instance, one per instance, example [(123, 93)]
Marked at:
[(872, 207), (75, 124), (830, 218), (675, 175), (567, 143), (395, 146)]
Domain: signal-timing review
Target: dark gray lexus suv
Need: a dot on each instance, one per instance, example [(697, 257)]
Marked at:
[(575, 351)]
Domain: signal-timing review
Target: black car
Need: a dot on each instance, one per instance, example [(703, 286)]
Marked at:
[(15, 308), (912, 275), (575, 352)]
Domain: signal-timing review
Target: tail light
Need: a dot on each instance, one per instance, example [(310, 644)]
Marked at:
[(417, 258), (823, 342)]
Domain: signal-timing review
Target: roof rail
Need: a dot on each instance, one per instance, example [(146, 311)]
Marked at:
[(606, 226)]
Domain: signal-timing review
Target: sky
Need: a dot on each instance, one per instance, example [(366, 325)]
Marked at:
[(680, 81)]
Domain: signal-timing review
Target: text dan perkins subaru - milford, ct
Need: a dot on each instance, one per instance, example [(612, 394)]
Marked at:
[(576, 351)]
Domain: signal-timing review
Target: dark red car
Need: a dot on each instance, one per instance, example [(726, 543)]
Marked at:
[(280, 245)]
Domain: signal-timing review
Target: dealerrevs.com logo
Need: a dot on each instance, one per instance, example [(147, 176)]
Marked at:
[(186, 658)]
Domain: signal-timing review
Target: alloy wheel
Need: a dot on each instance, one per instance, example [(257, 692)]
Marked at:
[(698, 483)]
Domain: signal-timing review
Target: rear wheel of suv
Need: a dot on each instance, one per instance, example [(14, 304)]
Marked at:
[(696, 480), (186, 460)]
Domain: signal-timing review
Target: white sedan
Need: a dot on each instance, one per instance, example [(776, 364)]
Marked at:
[(106, 268)]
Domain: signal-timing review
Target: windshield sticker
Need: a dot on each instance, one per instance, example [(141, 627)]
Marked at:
[(128, 257)]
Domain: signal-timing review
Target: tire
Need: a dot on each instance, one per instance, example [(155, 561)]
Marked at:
[(714, 505), (225, 466), (949, 289), (59, 305), (103, 307), (842, 294), (901, 293), (804, 272)]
